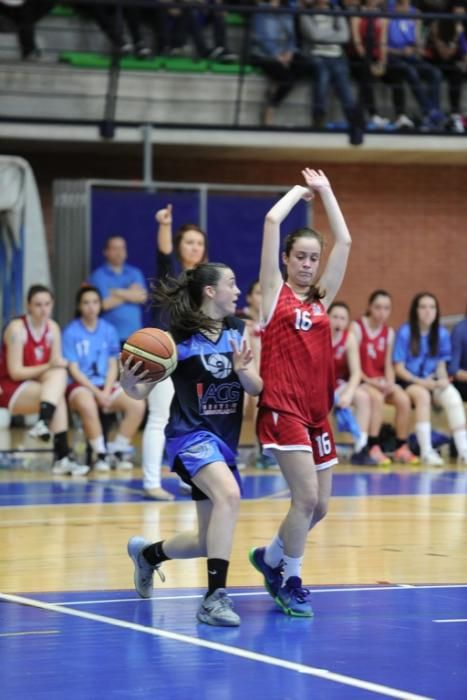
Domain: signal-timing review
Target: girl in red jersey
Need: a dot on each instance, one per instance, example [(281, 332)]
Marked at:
[(348, 374), (33, 376), (298, 376), (376, 339)]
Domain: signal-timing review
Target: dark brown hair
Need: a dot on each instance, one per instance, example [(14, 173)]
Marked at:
[(315, 293), (179, 237), (181, 299), (433, 334)]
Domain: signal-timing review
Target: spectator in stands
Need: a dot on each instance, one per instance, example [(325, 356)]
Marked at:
[(323, 40), (33, 376), (405, 64), (376, 340), (24, 14), (448, 43), (122, 287), (421, 353), (111, 22), (91, 347), (347, 370), (369, 57), (274, 49), (168, 26), (187, 250), (193, 22), (458, 364)]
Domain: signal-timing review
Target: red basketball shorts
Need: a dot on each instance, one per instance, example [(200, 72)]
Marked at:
[(9, 392), (286, 433)]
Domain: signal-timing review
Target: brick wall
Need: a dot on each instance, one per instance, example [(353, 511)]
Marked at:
[(408, 221)]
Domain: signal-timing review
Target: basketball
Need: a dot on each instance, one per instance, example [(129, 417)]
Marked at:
[(155, 349)]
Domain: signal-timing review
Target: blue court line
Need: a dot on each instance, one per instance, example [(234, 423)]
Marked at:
[(324, 674), (376, 483)]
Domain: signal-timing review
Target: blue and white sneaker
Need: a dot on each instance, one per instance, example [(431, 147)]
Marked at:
[(272, 577), (217, 609), (292, 598), (144, 572)]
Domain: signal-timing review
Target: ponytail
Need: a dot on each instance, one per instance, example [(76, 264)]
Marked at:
[(181, 300)]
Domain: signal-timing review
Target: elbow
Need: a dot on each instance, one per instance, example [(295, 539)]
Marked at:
[(258, 388), (272, 218)]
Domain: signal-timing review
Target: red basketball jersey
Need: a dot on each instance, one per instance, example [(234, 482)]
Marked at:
[(36, 351), (341, 367), (296, 359), (373, 350)]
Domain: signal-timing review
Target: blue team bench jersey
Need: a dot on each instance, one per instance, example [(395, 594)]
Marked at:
[(208, 393)]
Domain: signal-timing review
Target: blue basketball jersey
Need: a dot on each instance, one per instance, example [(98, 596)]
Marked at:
[(208, 393), (91, 350)]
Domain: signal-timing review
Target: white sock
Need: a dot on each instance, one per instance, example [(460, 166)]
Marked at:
[(423, 433), (292, 567), (361, 442), (460, 440), (274, 553), (98, 445), (121, 441)]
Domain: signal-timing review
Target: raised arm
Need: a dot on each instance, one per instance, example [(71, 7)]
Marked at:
[(270, 277), (164, 232), (333, 274)]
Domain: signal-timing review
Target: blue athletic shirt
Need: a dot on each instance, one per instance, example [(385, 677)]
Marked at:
[(402, 32), (128, 317), (208, 393), (459, 347), (423, 364), (91, 350)]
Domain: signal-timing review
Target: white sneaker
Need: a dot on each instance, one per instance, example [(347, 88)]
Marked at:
[(121, 463), (462, 458), (102, 465), (40, 431), (432, 458), (403, 122), (456, 124), (378, 122), (66, 465)]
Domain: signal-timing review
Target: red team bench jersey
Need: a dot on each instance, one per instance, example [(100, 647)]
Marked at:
[(297, 359), (341, 368), (36, 351), (373, 348)]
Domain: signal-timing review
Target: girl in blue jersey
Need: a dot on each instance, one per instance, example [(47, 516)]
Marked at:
[(91, 346), (214, 369), (421, 353), (184, 251)]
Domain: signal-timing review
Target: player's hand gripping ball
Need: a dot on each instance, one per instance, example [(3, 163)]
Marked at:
[(155, 349)]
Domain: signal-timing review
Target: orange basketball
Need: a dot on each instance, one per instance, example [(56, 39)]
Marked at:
[(155, 349)]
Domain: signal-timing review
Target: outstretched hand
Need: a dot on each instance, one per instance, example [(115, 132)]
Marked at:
[(241, 355), (164, 216), (131, 375), (316, 180)]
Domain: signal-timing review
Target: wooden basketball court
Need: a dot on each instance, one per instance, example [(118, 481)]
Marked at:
[(387, 569)]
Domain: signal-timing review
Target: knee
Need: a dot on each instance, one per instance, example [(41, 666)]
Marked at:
[(401, 400), (362, 400), (319, 512), (231, 498), (306, 502)]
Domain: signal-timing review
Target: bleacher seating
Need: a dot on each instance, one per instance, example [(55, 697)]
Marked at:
[(71, 82)]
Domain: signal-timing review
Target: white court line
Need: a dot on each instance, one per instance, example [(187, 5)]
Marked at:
[(459, 620), (396, 587), (224, 648)]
